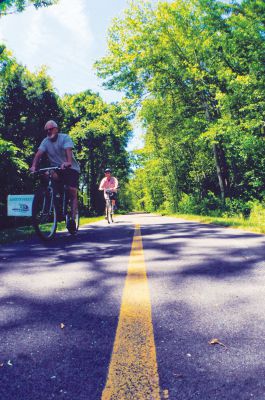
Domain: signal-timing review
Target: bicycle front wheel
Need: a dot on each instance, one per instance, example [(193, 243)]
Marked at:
[(44, 218), (108, 211)]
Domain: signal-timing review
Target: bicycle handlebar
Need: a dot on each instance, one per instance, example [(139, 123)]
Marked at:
[(48, 169)]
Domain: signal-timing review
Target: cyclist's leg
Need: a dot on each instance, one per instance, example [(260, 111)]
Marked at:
[(108, 210), (70, 178), (112, 206), (72, 191), (114, 196)]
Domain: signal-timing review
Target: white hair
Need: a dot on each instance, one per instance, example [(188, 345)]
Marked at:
[(51, 123)]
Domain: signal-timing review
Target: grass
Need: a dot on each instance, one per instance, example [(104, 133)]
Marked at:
[(256, 225), (25, 232)]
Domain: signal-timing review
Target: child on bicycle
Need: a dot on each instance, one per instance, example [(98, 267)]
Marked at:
[(109, 183)]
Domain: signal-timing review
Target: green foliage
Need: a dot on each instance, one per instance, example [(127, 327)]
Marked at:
[(12, 6), (257, 213), (196, 71), (27, 101), (100, 132)]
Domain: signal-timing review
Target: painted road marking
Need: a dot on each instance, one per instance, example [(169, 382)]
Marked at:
[(133, 371)]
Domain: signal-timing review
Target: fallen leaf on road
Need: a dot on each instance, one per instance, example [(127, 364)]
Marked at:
[(1, 365), (165, 394), (9, 363), (217, 341), (178, 375), (62, 325)]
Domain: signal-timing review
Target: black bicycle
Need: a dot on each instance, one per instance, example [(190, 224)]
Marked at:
[(51, 205)]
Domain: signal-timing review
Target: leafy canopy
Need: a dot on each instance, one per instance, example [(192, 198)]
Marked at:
[(13, 6)]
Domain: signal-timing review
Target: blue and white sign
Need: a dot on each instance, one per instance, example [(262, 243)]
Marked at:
[(19, 205)]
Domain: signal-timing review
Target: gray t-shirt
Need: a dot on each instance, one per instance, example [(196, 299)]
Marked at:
[(56, 150)]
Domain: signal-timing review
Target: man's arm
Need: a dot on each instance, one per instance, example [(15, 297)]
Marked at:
[(116, 183), (69, 158), (36, 160), (101, 185)]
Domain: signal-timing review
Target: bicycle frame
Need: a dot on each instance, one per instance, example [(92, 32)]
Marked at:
[(57, 207), (50, 187), (109, 208)]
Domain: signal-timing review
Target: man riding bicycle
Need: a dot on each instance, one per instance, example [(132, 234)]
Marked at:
[(59, 148), (109, 183)]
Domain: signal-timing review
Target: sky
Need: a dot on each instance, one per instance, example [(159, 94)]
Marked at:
[(68, 38)]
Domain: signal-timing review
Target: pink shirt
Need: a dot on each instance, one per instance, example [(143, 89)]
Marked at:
[(111, 183)]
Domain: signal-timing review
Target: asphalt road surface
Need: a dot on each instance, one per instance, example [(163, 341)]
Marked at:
[(148, 308)]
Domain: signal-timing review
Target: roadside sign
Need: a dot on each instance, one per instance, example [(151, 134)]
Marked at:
[(19, 205)]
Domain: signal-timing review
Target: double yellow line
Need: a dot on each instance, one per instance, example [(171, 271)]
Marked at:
[(133, 371)]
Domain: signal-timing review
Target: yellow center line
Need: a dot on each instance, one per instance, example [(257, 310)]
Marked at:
[(133, 368)]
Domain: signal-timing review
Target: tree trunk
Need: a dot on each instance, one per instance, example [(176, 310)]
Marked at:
[(219, 172), (212, 113)]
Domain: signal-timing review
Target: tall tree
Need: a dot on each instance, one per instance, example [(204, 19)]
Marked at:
[(200, 62), (27, 101), (101, 134)]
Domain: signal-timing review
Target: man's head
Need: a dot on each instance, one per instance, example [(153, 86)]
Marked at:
[(107, 172), (51, 129)]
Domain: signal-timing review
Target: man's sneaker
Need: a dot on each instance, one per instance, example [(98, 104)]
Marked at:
[(71, 226)]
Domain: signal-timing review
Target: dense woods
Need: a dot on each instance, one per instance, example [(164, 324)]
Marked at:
[(195, 72), (100, 132)]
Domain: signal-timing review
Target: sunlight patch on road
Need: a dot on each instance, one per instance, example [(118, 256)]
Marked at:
[(133, 368)]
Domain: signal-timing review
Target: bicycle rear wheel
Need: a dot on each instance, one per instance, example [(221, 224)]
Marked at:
[(72, 230), (44, 217), (71, 227)]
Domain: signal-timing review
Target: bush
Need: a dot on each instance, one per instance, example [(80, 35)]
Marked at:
[(257, 213), (237, 207), (212, 206), (209, 205), (187, 204)]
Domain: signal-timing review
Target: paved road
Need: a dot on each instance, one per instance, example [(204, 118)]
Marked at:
[(64, 306)]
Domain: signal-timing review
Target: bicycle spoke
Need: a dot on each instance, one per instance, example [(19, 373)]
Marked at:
[(44, 215)]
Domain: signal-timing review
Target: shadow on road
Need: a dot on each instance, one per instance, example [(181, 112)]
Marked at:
[(207, 282), (199, 279), (71, 281)]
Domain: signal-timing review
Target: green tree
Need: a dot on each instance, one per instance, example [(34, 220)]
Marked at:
[(14, 6), (27, 101), (101, 134), (197, 69)]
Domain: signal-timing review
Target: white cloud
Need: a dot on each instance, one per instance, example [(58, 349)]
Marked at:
[(58, 36), (61, 38), (72, 15)]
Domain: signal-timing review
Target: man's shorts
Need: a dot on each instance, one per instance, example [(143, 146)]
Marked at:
[(69, 177), (113, 196)]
